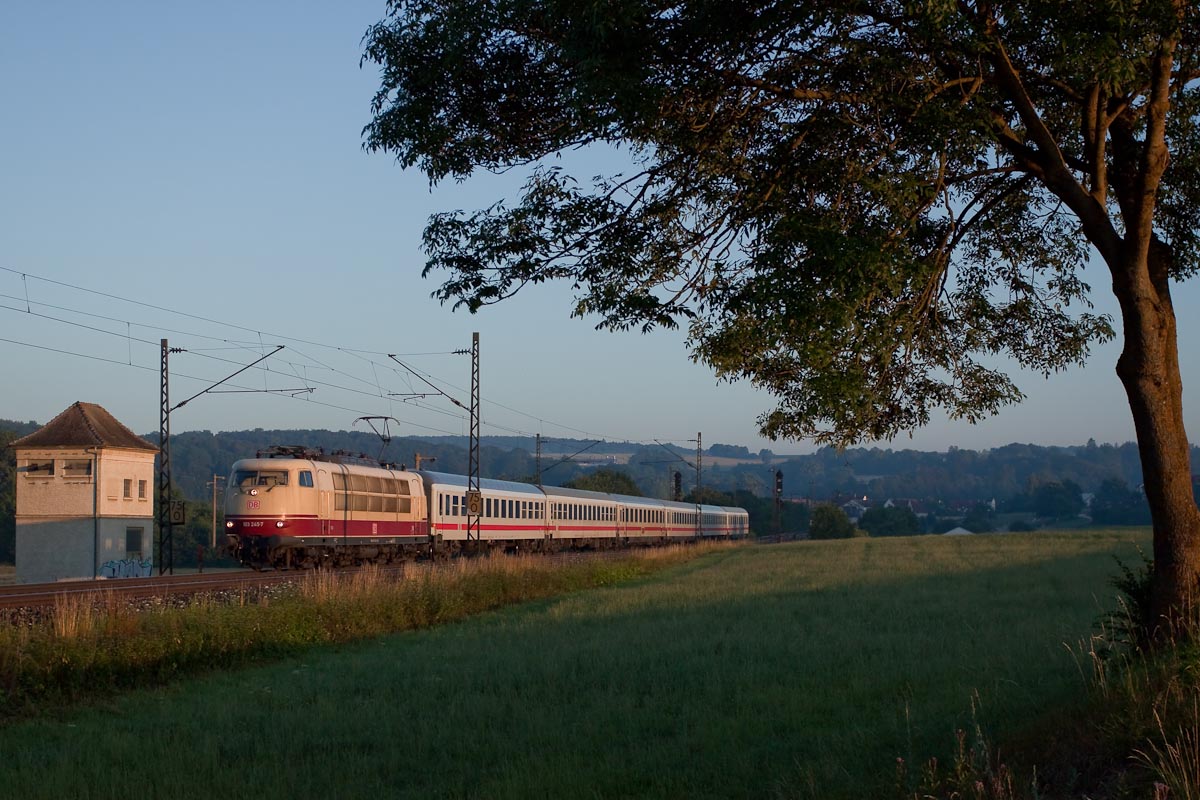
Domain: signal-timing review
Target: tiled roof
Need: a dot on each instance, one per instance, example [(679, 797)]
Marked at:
[(84, 425)]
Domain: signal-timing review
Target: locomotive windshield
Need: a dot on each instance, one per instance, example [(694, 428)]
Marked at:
[(248, 478)]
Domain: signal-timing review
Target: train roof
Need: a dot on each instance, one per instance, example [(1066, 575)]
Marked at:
[(280, 462), (579, 494), (460, 481), (630, 499)]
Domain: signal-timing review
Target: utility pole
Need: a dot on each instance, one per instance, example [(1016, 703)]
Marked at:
[(538, 460), (215, 480), (171, 513), (474, 498), (778, 500), (699, 510), (164, 462)]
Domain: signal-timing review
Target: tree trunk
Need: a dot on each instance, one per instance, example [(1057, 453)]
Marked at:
[(1149, 370)]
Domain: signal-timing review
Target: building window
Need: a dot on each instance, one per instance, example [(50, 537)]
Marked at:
[(141, 490), (81, 468), (133, 543), (128, 488), (39, 469)]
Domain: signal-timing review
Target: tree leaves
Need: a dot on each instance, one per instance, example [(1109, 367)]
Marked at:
[(850, 204)]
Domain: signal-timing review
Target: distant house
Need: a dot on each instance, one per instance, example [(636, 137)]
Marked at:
[(854, 509), (85, 498), (915, 506)]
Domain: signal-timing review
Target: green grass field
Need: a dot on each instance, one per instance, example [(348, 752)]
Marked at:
[(800, 670)]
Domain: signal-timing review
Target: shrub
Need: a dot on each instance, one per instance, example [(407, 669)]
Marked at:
[(830, 522)]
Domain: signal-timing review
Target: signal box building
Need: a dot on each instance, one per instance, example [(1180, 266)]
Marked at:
[(85, 499)]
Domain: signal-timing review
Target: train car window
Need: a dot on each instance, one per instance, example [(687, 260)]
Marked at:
[(402, 486), (272, 478), (306, 478), (487, 506)]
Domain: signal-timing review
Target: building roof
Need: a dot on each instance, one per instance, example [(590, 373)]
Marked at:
[(84, 425)]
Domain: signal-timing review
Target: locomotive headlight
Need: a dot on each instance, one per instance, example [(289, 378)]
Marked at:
[(253, 492), (279, 524), (229, 523)]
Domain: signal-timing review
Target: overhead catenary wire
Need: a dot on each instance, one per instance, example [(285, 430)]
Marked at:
[(362, 354)]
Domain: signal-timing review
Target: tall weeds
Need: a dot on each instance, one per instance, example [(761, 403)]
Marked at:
[(93, 645), (74, 615), (1174, 756)]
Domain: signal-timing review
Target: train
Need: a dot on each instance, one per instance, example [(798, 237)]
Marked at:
[(295, 508)]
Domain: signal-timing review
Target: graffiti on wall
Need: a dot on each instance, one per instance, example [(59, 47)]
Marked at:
[(127, 568)]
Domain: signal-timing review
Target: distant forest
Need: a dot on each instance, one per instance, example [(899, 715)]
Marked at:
[(955, 476)]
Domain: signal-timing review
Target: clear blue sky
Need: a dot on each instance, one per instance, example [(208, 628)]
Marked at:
[(206, 160)]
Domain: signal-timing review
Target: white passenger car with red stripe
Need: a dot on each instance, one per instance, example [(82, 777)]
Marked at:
[(509, 511)]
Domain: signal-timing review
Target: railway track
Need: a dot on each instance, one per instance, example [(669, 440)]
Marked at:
[(28, 595), (171, 587)]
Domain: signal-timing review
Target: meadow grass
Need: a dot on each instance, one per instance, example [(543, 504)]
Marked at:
[(802, 670), (92, 646)]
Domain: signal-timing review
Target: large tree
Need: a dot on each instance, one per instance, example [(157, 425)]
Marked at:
[(852, 203)]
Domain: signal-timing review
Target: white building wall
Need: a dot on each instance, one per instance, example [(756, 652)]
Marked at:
[(73, 548), (66, 529)]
